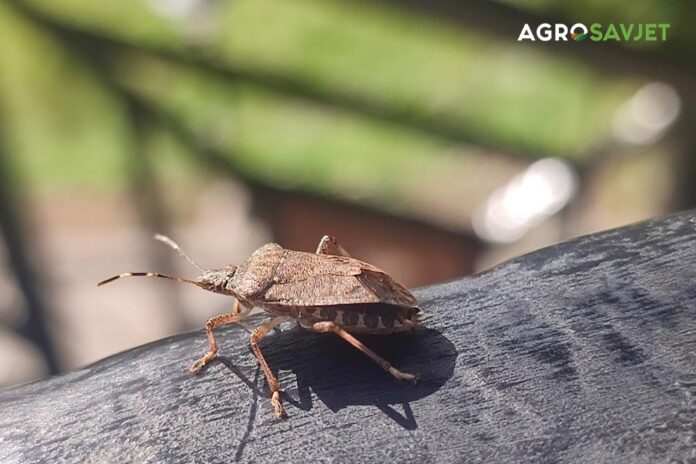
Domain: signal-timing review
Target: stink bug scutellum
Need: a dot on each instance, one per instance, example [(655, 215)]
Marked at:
[(325, 291)]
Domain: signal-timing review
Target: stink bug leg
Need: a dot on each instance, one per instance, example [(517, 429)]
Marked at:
[(328, 245), (237, 314), (273, 384), (383, 363)]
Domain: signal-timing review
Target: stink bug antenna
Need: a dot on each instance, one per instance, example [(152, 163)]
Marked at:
[(147, 274), (173, 244), (162, 238)]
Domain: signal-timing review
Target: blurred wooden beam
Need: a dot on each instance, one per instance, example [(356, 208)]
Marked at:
[(580, 352)]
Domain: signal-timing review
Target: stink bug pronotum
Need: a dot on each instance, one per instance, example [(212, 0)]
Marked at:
[(325, 291)]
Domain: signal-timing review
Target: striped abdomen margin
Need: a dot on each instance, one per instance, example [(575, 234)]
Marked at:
[(363, 318)]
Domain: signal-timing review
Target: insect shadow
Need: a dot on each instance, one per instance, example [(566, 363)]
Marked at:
[(340, 376)]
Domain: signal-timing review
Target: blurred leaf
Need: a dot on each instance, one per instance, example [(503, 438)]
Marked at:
[(61, 124), (510, 96)]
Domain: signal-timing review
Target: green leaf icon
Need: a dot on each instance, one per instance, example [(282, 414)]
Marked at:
[(580, 37)]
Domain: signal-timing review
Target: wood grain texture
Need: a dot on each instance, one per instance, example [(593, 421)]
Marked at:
[(581, 352)]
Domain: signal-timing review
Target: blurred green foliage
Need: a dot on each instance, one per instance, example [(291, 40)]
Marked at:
[(69, 125)]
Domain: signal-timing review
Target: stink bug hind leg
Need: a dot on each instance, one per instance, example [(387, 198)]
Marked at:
[(326, 327)]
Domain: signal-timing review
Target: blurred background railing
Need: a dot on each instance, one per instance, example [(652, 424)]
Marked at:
[(422, 134)]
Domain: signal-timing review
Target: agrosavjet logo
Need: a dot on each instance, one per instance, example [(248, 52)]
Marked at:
[(558, 32)]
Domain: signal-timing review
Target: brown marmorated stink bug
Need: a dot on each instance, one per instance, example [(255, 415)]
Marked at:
[(325, 291)]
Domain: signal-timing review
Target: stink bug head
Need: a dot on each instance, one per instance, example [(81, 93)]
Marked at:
[(215, 280)]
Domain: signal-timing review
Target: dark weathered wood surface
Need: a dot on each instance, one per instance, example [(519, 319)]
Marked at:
[(581, 352)]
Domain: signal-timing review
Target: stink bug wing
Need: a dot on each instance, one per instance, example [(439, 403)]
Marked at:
[(392, 291), (307, 279), (297, 266)]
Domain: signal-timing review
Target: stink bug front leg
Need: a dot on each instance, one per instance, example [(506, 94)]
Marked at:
[(238, 313), (383, 363), (328, 245)]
